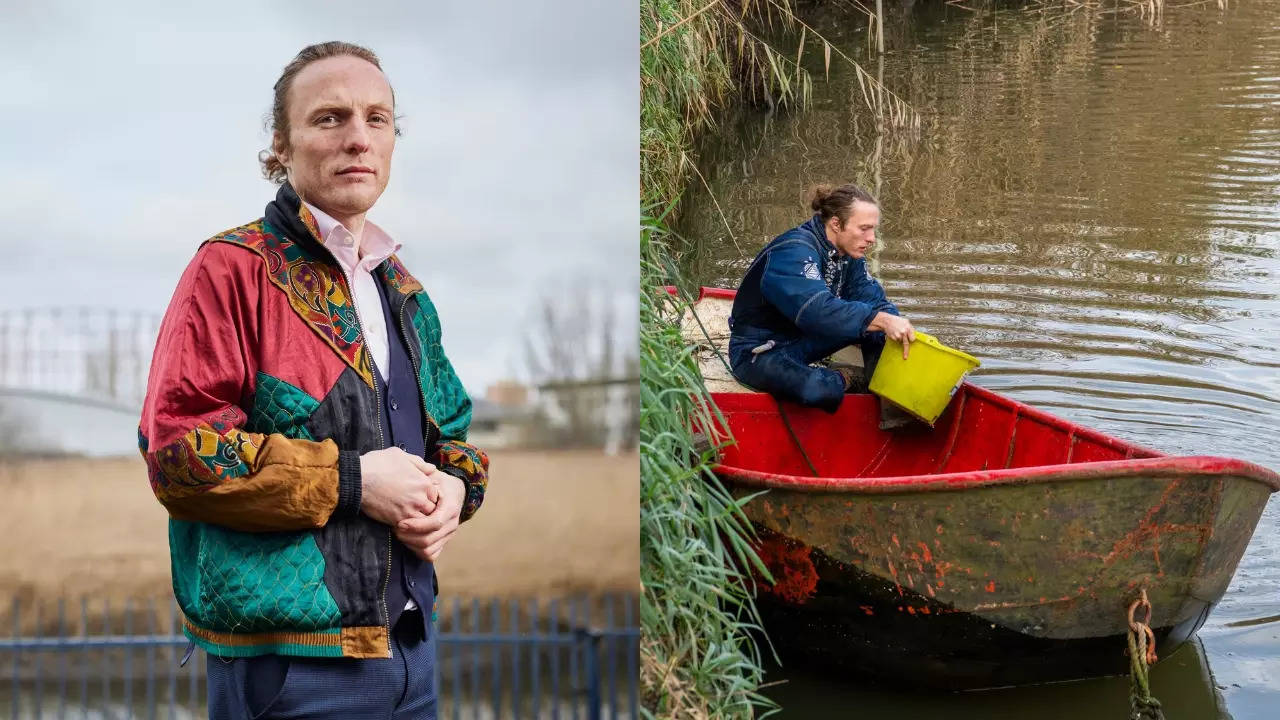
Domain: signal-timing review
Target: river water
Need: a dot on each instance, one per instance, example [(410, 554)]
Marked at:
[(1092, 207)]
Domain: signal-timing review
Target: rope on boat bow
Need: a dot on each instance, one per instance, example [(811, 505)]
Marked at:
[(1142, 655), (795, 438)]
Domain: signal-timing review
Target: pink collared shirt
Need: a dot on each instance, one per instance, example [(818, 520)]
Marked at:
[(375, 247)]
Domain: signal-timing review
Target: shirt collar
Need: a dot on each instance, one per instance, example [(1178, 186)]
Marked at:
[(376, 244), (819, 229)]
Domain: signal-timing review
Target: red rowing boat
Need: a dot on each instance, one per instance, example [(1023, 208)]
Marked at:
[(1003, 546)]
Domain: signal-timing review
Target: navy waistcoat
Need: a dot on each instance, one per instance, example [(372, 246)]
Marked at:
[(402, 419)]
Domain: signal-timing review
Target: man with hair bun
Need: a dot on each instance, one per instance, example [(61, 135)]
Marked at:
[(305, 430), (809, 293)]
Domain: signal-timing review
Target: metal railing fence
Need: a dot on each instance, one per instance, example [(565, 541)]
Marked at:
[(574, 657)]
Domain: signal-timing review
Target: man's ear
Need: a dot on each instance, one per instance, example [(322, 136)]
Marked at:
[(281, 149)]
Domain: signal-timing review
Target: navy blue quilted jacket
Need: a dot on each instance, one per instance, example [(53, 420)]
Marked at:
[(799, 285)]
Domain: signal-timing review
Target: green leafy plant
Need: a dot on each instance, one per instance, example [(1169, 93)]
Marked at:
[(698, 657)]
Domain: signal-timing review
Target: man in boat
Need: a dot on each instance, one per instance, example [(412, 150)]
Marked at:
[(304, 429), (809, 293)]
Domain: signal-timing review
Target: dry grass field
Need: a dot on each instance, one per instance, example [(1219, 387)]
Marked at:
[(553, 523)]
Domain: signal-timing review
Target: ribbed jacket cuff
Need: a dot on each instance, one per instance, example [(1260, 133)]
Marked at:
[(458, 473), (349, 485)]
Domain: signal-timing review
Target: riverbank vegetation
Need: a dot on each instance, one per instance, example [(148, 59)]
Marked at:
[(699, 658), (697, 57)]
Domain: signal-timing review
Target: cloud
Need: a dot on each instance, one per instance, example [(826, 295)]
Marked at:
[(132, 135)]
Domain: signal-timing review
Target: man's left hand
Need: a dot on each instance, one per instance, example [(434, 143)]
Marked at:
[(426, 535)]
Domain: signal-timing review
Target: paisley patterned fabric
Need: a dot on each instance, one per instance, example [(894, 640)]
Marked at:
[(317, 290), (398, 278), (475, 463), (309, 220), (210, 454)]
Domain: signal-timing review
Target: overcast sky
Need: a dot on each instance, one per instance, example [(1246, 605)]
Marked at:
[(131, 132)]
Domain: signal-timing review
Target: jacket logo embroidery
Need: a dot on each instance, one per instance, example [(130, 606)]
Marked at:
[(811, 270)]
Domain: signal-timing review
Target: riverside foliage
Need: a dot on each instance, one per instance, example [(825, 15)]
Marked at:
[(698, 657)]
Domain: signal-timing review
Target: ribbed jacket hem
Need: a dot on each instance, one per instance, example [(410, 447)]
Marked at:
[(352, 642)]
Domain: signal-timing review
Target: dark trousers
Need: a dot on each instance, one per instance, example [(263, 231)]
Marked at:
[(784, 371), (275, 686)]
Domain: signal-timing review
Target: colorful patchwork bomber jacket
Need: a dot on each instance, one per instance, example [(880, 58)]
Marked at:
[(260, 401)]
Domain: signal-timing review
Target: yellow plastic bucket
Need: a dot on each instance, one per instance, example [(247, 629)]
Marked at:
[(923, 383)]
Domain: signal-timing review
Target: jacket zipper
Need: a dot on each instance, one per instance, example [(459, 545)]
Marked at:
[(377, 423)]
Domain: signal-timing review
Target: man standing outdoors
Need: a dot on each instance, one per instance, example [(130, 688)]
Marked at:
[(305, 430)]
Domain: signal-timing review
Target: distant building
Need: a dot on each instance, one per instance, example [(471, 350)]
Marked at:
[(502, 418), (508, 393)]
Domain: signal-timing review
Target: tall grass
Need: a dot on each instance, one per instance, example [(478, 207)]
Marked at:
[(697, 658), (699, 55)]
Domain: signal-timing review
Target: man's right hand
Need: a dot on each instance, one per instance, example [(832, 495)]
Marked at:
[(895, 328), (396, 486)]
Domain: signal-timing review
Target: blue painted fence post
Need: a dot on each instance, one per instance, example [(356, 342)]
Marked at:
[(593, 674)]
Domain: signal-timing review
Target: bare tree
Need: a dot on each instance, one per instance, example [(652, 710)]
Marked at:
[(580, 352)]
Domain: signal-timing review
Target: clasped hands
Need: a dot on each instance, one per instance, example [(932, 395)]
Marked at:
[(420, 503)]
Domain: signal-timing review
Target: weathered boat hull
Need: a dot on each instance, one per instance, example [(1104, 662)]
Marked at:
[(988, 578), (1003, 546), (852, 617), (915, 641)]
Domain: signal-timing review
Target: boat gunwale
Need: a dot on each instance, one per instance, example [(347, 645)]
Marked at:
[(1157, 467)]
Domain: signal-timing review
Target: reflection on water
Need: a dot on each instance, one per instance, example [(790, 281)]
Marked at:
[(1092, 207), (1183, 683)]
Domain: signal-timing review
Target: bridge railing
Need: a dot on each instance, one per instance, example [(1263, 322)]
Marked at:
[(575, 657), (100, 354)]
